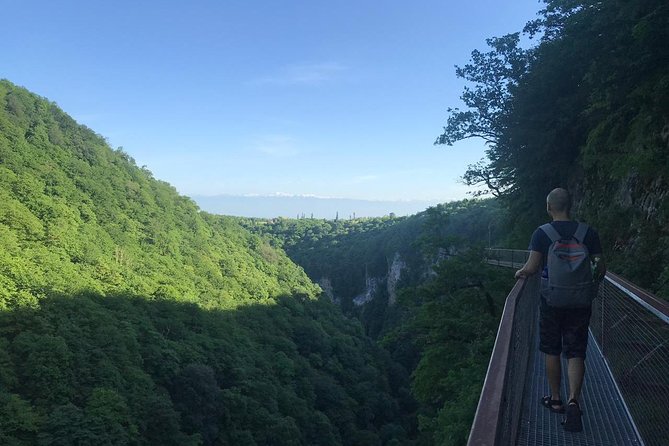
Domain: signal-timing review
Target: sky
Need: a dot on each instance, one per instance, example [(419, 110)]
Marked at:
[(329, 99)]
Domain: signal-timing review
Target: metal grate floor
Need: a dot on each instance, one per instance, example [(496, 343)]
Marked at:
[(606, 421)]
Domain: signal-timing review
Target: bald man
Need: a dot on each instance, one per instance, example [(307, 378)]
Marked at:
[(563, 330)]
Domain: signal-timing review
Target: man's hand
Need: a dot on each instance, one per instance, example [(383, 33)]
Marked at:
[(598, 268), (531, 266)]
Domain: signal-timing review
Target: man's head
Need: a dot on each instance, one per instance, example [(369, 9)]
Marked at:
[(558, 202)]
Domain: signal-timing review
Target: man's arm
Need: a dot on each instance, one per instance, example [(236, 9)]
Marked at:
[(531, 266), (598, 267)]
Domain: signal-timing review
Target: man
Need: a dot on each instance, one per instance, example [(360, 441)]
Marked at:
[(563, 330)]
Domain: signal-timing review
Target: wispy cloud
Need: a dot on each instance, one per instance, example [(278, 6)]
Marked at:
[(289, 195), (280, 146), (303, 74), (364, 178)]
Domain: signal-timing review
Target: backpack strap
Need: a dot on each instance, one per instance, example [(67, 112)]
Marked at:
[(550, 231), (581, 231)]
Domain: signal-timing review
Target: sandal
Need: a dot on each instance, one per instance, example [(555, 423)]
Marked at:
[(573, 422), (552, 405)]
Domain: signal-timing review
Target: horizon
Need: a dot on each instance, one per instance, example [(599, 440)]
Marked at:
[(301, 206)]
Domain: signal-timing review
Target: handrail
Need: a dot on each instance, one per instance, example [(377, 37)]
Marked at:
[(631, 327), (516, 257), (642, 297), (496, 415), (485, 428), (507, 257)]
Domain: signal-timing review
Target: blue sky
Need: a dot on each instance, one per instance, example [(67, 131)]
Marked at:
[(332, 99)]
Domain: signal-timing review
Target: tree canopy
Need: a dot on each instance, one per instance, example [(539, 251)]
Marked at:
[(586, 108), (130, 317), (440, 326)]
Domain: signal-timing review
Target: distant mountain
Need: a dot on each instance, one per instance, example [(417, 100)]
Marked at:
[(291, 206)]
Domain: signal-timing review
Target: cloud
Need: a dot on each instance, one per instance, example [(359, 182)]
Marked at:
[(280, 146), (303, 74), (288, 195), (364, 178)]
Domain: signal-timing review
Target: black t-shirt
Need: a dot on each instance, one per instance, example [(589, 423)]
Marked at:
[(541, 242)]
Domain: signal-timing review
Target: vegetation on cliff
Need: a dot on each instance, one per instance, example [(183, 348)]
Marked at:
[(587, 109), (441, 325)]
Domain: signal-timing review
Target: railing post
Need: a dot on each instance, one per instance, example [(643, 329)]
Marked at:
[(601, 322)]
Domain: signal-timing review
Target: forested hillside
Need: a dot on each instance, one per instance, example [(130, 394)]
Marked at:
[(420, 287), (586, 108), (130, 317), (347, 256), (127, 316)]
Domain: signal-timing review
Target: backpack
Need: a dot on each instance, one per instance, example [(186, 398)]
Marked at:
[(569, 283)]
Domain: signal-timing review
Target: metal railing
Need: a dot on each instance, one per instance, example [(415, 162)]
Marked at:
[(497, 415), (513, 258), (631, 327)]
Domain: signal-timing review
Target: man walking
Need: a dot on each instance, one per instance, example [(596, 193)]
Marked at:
[(563, 250)]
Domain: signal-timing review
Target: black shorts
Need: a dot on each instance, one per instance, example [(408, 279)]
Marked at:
[(563, 330)]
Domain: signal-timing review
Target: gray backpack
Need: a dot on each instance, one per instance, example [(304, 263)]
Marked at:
[(569, 283)]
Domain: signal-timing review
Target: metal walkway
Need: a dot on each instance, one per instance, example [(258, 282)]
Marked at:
[(606, 421), (627, 359)]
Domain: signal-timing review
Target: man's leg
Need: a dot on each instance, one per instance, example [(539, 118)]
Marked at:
[(576, 344), (554, 375), (575, 337), (550, 343), (576, 372)]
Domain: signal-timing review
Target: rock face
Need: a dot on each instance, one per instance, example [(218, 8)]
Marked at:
[(390, 282), (631, 211), (650, 201), (326, 285), (373, 284), (371, 287), (394, 276)]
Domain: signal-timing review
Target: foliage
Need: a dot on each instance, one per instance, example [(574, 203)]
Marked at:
[(452, 325), (441, 329), (127, 316), (348, 253), (164, 372), (586, 108), (494, 75), (344, 252)]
